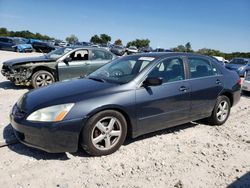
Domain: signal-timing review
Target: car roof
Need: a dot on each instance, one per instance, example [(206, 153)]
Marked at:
[(6, 37), (168, 54), (85, 47), (242, 58)]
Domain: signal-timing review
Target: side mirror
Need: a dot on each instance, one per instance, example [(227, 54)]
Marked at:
[(67, 60), (153, 81)]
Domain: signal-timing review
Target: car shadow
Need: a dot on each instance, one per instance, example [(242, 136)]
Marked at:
[(9, 85), (242, 182), (178, 128), (245, 94), (14, 145)]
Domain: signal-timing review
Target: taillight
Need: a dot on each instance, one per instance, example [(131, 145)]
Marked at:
[(239, 82)]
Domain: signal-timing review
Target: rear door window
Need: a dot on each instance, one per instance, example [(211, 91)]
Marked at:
[(4, 40), (199, 67), (101, 55)]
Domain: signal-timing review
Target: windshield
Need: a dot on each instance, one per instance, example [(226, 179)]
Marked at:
[(121, 70), (58, 53), (238, 61), (19, 41)]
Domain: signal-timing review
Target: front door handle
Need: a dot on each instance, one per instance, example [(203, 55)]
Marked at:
[(183, 89), (218, 82)]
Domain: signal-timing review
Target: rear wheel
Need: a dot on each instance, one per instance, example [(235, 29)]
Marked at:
[(221, 111), (42, 78), (104, 133)]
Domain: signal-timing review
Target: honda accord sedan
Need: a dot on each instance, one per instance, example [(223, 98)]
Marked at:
[(129, 96)]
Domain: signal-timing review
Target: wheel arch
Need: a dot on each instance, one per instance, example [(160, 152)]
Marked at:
[(229, 95), (130, 126), (44, 68)]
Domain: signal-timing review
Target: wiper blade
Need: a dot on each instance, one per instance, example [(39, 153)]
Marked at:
[(97, 79)]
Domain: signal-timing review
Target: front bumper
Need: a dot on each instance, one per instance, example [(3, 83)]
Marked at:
[(54, 137), (20, 77)]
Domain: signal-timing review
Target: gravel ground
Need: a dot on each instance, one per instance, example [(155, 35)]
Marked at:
[(191, 155)]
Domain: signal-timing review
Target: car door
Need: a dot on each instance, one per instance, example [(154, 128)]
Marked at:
[(75, 66), (2, 43), (5, 43), (165, 105), (98, 58), (206, 83)]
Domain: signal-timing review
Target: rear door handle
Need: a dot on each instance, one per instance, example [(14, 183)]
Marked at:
[(218, 82), (183, 89)]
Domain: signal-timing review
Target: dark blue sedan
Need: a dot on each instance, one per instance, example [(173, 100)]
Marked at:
[(133, 95), (240, 65), (16, 44)]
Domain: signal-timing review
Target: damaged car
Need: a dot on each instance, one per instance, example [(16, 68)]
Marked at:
[(61, 64)]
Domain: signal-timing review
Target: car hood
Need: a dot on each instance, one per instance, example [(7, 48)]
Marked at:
[(24, 45), (62, 92), (234, 66), (27, 60)]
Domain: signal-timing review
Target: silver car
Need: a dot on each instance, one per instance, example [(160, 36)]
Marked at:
[(246, 84), (62, 64)]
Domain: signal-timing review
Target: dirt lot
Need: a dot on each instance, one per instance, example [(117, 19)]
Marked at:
[(191, 155)]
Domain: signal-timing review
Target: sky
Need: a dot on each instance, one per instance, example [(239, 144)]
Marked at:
[(218, 24)]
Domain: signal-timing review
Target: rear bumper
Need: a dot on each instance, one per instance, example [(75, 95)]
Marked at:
[(236, 97), (50, 137)]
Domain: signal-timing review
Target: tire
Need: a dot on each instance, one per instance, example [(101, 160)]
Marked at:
[(42, 78), (221, 111), (104, 133)]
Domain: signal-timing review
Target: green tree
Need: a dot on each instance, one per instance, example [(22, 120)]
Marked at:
[(72, 39), (188, 47), (3, 31), (96, 39), (210, 52), (179, 48), (118, 42), (139, 43), (102, 39), (24, 34), (105, 38)]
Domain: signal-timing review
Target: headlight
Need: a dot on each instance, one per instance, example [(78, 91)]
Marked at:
[(51, 114)]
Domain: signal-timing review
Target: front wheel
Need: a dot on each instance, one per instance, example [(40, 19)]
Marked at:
[(42, 78), (221, 111), (104, 133)]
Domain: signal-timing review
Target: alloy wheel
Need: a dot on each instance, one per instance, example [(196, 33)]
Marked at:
[(43, 80), (222, 110), (106, 133)]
